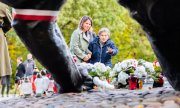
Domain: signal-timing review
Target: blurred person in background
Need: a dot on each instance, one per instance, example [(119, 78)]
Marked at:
[(5, 65)]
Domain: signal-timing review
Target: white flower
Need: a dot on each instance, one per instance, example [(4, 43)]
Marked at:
[(129, 66), (131, 62), (108, 68), (126, 64), (114, 81), (101, 70), (112, 73), (103, 84), (100, 67), (149, 67), (122, 77), (85, 66), (140, 71), (117, 67)]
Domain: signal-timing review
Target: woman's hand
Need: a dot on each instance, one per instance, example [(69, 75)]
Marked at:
[(87, 57)]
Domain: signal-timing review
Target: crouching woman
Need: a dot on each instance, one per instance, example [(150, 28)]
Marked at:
[(102, 48)]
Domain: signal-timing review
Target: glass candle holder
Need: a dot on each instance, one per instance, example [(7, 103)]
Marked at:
[(140, 83), (159, 82), (132, 82), (148, 83)]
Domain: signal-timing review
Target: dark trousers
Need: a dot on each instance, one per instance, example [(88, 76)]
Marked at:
[(5, 81)]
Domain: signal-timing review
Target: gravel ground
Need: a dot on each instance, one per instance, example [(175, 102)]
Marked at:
[(164, 97)]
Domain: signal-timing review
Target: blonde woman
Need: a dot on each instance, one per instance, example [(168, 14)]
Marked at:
[(80, 40)]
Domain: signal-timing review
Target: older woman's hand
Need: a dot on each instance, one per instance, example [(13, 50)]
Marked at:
[(109, 50)]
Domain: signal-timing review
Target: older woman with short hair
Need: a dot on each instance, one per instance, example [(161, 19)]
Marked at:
[(80, 40), (102, 48)]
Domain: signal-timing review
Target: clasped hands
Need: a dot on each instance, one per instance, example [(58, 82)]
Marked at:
[(87, 57)]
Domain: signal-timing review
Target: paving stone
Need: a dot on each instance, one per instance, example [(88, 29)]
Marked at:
[(152, 104), (131, 104), (122, 106), (170, 104), (152, 99), (175, 98), (139, 106), (122, 98)]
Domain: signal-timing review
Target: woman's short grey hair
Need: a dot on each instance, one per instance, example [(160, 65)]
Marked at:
[(104, 29), (84, 19)]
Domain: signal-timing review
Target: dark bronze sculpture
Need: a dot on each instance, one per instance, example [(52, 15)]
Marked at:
[(35, 23), (160, 20)]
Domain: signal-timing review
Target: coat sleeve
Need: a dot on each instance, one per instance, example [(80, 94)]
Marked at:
[(34, 64), (75, 41), (23, 68), (114, 49), (7, 19), (90, 48), (88, 51)]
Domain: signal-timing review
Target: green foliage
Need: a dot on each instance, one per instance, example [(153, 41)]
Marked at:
[(16, 49), (126, 33), (157, 69), (99, 74), (93, 74), (129, 70), (157, 73)]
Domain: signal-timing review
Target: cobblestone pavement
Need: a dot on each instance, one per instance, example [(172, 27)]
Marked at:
[(6, 98), (164, 97)]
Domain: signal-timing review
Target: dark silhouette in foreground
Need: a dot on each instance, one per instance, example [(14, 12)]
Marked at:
[(160, 20), (35, 23)]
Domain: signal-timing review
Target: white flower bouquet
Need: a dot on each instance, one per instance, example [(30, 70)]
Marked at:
[(140, 71), (100, 70), (121, 71)]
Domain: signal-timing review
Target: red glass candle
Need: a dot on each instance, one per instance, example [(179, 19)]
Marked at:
[(161, 81), (132, 82)]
